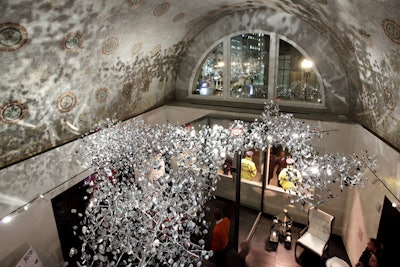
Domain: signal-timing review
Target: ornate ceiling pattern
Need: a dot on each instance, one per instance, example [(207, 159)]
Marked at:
[(65, 65)]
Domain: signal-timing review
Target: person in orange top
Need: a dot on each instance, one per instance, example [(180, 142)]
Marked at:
[(220, 238)]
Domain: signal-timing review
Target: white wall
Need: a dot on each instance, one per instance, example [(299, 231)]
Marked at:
[(49, 174), (174, 115), (35, 228), (364, 206)]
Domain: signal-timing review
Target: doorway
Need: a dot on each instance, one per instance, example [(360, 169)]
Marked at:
[(69, 208), (388, 232)]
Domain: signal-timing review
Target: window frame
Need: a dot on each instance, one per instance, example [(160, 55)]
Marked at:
[(273, 72)]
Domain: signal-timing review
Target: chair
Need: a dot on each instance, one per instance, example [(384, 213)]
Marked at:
[(336, 262), (316, 235)]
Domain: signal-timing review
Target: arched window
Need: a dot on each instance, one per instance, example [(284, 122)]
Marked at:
[(209, 76), (249, 65), (254, 67)]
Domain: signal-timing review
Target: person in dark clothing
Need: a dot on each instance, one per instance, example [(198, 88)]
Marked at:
[(227, 165), (238, 259), (281, 163), (376, 260), (273, 161), (373, 246)]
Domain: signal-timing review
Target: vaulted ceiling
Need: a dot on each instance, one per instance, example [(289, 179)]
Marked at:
[(66, 65)]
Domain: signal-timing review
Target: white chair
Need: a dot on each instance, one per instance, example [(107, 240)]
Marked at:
[(336, 262), (316, 235)]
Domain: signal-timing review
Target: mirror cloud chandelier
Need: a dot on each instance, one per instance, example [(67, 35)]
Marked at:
[(148, 201)]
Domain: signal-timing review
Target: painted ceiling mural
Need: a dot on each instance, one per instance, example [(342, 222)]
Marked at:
[(66, 65)]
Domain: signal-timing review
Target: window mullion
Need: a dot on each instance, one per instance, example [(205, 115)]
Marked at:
[(273, 66), (227, 67)]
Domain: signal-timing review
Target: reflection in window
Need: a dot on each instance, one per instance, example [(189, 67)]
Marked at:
[(249, 66), (228, 168), (296, 80), (277, 162), (244, 61), (210, 74)]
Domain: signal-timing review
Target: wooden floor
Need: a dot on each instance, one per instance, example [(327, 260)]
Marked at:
[(261, 256)]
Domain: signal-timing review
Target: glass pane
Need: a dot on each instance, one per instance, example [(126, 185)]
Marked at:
[(277, 162), (296, 81), (210, 74), (249, 66)]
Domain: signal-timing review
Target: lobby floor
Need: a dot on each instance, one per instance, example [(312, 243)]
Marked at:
[(259, 255)]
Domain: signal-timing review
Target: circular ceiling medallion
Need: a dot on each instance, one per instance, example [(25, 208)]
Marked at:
[(161, 9), (178, 17), (71, 42), (12, 36), (155, 51), (110, 46), (66, 102), (133, 2), (136, 48), (389, 98), (101, 95), (13, 112), (127, 89), (392, 30)]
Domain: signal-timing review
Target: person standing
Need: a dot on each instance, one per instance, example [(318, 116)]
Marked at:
[(289, 177), (373, 246), (281, 162), (376, 260), (220, 238), (249, 169), (227, 165), (273, 162)]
